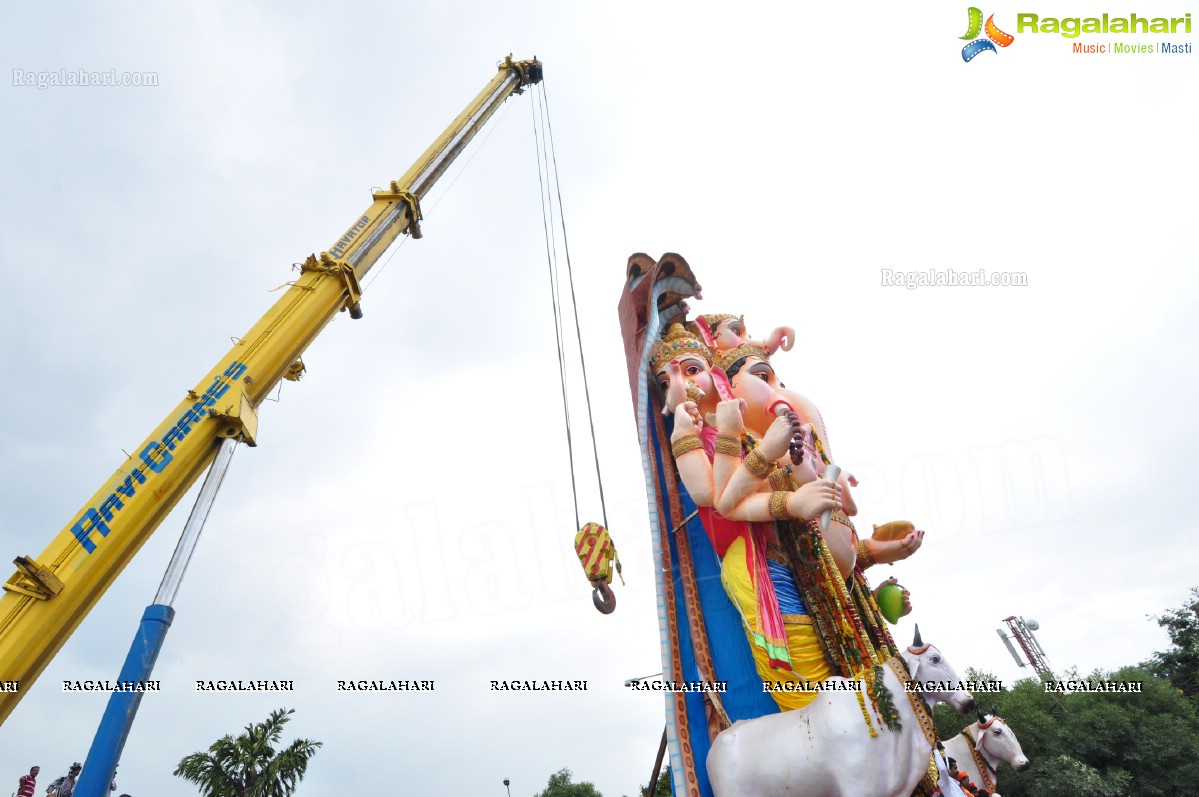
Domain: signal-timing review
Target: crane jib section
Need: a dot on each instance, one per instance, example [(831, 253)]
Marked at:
[(340, 248), (155, 457), (47, 597)]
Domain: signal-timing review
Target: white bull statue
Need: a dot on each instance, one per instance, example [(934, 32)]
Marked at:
[(995, 743), (825, 749)]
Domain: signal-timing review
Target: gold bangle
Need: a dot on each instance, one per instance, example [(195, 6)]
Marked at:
[(728, 445), (684, 444), (757, 464), (865, 558), (778, 505)]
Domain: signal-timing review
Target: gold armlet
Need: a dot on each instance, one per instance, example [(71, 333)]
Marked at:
[(865, 558), (757, 464), (728, 445), (780, 479), (778, 505), (684, 444)]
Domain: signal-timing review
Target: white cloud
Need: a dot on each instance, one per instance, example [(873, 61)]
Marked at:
[(408, 512)]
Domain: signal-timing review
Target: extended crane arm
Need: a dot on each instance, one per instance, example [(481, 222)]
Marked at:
[(48, 596)]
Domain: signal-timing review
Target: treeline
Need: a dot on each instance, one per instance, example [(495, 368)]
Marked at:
[(1105, 744)]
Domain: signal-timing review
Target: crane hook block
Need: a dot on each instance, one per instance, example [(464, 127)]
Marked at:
[(597, 554)]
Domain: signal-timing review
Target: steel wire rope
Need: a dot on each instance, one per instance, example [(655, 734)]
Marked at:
[(551, 263), (544, 94)]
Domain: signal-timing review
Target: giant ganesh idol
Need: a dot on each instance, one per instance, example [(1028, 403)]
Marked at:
[(753, 588)]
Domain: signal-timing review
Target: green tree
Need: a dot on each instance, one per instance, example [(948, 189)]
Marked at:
[(1094, 744), (1066, 775), (1180, 664), (560, 786), (250, 765), (662, 788)]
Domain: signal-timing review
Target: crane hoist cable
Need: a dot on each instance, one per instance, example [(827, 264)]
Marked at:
[(593, 544)]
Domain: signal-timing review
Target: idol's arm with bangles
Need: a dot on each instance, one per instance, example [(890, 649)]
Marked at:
[(734, 483), (754, 495), (695, 469)]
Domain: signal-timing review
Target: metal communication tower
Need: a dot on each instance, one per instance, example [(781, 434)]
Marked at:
[(1022, 632)]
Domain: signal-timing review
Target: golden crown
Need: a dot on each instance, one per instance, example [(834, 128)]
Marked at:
[(730, 356), (713, 320), (677, 343)]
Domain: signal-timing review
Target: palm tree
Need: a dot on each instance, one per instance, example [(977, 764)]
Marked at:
[(250, 766)]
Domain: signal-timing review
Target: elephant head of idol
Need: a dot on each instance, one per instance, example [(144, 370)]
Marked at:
[(654, 292), (681, 365), (754, 381)]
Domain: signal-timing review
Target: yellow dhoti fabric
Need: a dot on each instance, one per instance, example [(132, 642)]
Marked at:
[(807, 659)]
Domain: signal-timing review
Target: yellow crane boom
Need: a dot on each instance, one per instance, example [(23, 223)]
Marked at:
[(48, 596)]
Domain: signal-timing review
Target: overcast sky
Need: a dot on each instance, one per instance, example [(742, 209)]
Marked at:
[(407, 514)]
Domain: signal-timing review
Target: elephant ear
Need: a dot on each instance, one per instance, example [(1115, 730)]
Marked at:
[(913, 662)]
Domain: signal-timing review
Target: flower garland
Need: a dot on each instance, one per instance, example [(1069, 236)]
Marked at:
[(844, 614), (748, 443), (880, 636), (865, 713), (886, 703), (820, 447), (850, 648), (801, 550)]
